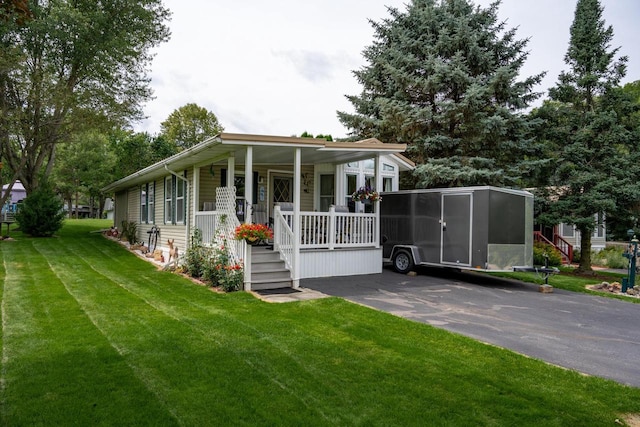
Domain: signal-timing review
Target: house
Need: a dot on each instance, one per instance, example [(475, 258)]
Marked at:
[(301, 186), (566, 237)]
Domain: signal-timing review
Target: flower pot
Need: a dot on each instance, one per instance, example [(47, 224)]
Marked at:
[(252, 240)]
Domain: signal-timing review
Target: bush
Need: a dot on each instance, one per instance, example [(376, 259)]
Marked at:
[(611, 257), (130, 231), (542, 250), (220, 271), (196, 256), (41, 214)]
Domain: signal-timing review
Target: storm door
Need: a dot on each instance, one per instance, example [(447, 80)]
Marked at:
[(281, 190), (457, 210)]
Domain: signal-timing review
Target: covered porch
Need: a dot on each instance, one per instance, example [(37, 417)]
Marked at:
[(311, 239)]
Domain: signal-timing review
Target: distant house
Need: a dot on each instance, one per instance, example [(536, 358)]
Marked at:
[(566, 237), (302, 186), (18, 193)]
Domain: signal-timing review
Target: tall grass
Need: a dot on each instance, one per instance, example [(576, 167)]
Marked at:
[(93, 335)]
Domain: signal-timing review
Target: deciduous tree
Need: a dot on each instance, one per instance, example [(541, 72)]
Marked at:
[(69, 64), (190, 125)]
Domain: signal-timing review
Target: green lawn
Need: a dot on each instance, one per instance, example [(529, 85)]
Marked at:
[(93, 335), (569, 281)]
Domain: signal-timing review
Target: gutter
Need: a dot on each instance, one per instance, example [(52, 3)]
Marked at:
[(187, 219)]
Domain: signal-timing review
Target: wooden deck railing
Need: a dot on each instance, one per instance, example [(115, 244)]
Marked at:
[(565, 248)]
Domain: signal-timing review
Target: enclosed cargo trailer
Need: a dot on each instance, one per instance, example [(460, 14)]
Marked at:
[(479, 228)]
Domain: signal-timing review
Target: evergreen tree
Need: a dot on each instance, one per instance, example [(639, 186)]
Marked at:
[(588, 130), (442, 78), (41, 214)]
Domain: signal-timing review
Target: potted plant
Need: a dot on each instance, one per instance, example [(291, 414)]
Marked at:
[(366, 194), (253, 233)]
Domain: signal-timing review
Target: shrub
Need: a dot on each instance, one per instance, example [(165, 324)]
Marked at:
[(41, 214), (196, 256), (221, 271), (542, 250), (611, 257), (130, 231)]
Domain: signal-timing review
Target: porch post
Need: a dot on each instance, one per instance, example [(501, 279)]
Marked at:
[(296, 218), (248, 184), (376, 205), (195, 201), (231, 170)]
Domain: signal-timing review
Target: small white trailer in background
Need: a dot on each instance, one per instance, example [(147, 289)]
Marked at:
[(480, 228)]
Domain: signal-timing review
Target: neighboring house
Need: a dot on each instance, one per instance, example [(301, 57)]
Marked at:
[(566, 237), (301, 186), (18, 193)]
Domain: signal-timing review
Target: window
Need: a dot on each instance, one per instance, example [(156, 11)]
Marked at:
[(387, 184), (180, 203), (175, 191), (147, 203), (143, 204), (566, 230), (168, 199), (352, 186), (151, 204), (600, 227), (327, 192), (386, 167)]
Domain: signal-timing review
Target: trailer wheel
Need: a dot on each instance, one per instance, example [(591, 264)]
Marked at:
[(402, 262)]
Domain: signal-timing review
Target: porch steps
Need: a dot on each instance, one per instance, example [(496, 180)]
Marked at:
[(268, 271)]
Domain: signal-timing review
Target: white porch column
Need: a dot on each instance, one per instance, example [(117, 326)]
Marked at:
[(297, 168), (248, 184), (195, 202), (231, 170), (376, 205)]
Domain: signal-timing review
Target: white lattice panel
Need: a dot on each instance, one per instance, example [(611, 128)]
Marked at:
[(226, 200)]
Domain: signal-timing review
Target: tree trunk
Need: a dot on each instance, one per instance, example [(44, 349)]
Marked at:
[(77, 200), (585, 250)]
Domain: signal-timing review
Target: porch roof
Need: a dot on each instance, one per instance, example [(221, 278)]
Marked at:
[(276, 150)]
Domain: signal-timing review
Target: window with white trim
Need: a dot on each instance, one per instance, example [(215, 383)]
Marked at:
[(567, 230), (180, 201), (151, 202), (327, 191), (352, 186), (143, 204), (168, 199)]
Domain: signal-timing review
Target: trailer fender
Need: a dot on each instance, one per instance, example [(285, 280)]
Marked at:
[(404, 258)]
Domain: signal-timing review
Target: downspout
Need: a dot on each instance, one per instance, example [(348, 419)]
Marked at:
[(187, 218)]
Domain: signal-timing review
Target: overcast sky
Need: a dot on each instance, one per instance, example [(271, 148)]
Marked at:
[(283, 67)]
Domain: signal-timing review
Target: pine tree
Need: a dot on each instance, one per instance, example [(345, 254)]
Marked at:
[(590, 138), (442, 78)]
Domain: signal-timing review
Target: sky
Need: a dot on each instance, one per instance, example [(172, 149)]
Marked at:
[(283, 67)]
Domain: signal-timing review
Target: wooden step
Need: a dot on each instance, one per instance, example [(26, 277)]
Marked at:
[(268, 271)]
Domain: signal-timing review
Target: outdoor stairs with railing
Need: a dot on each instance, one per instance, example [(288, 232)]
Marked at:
[(268, 271), (564, 247)]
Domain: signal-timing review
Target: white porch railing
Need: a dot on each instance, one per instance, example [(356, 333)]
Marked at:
[(206, 222), (329, 230), (319, 230), (283, 238)]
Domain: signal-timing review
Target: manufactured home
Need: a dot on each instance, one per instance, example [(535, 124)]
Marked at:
[(480, 228), (300, 186)]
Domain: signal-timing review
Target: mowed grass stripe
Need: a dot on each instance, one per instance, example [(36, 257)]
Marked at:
[(52, 354), (270, 363), (375, 351), (178, 347)]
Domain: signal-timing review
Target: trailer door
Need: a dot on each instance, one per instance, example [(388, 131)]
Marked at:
[(457, 212)]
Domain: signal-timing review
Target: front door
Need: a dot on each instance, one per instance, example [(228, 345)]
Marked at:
[(456, 229), (281, 190)]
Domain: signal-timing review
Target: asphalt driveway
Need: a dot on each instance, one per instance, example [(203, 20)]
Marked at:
[(591, 334)]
